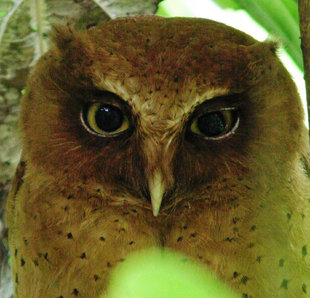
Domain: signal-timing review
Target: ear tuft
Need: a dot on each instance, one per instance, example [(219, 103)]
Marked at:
[(91, 17), (63, 35), (273, 43), (273, 46)]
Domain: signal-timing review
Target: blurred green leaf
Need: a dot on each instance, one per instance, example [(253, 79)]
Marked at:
[(279, 17), (233, 4), (166, 274)]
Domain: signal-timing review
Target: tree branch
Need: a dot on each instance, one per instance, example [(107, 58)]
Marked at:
[(304, 17)]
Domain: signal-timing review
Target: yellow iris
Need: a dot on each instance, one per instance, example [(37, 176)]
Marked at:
[(106, 119)]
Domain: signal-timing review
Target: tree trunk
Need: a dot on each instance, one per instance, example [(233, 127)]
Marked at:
[(304, 18)]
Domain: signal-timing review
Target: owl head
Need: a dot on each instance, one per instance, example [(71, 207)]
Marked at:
[(162, 110)]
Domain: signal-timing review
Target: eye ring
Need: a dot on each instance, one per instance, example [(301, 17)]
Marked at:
[(104, 119), (219, 124)]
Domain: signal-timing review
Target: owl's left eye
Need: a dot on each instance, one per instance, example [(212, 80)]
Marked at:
[(215, 125), (104, 119)]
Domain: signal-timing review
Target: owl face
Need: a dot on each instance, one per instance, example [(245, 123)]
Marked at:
[(145, 131), (160, 109)]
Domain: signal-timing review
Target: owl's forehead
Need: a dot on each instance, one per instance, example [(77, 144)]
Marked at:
[(176, 63)]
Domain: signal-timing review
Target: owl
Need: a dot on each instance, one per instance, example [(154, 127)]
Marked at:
[(177, 133)]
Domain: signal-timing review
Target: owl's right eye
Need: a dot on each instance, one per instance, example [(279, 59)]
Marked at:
[(216, 125), (105, 120)]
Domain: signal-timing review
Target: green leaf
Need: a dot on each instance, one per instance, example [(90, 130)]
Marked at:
[(279, 17)]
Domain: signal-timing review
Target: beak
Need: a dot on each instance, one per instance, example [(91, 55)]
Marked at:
[(157, 190)]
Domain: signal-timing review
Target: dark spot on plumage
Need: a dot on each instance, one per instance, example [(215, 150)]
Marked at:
[(88, 26), (69, 197), (15, 252), (305, 165), (46, 256), (131, 242), (179, 239), (284, 284), (259, 259), (19, 174), (208, 262), (85, 180), (304, 250), (69, 236), (244, 279), (75, 292), (253, 228), (235, 274), (184, 227), (83, 255), (235, 220), (229, 239), (22, 262), (193, 235), (116, 220), (102, 239), (96, 277)]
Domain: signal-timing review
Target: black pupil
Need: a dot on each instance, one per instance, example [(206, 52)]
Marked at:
[(212, 124), (109, 118)]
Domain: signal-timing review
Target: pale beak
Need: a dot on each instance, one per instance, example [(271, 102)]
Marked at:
[(157, 190)]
